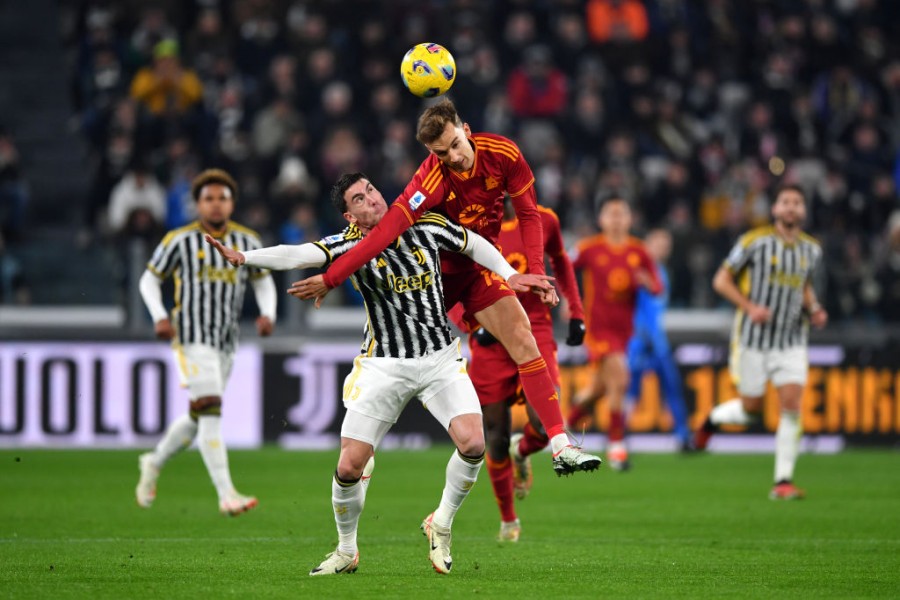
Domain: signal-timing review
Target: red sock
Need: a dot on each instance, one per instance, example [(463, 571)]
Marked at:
[(532, 441), (616, 425), (502, 479), (577, 413), (541, 395)]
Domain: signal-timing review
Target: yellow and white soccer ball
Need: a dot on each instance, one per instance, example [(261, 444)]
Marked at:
[(428, 70)]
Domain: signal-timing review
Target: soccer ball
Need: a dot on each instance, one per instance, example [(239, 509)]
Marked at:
[(428, 70)]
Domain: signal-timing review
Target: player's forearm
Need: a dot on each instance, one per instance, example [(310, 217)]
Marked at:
[(723, 284), (485, 254), (810, 301), (284, 257), (567, 284), (392, 224), (532, 230), (266, 296), (151, 291)]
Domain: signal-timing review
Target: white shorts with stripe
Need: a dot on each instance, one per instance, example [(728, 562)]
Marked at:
[(203, 369), (751, 369), (378, 389)]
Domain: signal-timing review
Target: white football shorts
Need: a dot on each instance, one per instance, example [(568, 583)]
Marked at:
[(751, 369), (378, 389), (203, 369)]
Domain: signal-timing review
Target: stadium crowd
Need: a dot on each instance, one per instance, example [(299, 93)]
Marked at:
[(693, 110)]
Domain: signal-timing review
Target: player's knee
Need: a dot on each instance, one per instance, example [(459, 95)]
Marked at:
[(349, 468), (470, 440)]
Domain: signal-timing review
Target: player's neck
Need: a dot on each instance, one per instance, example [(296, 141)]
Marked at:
[(787, 233), (214, 230), (616, 240)]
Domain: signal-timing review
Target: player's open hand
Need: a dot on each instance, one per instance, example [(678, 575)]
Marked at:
[(230, 254), (164, 330), (264, 326), (528, 282), (310, 288)]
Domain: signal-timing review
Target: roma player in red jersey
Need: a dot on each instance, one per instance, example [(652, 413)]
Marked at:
[(496, 375), (613, 266), (466, 176)]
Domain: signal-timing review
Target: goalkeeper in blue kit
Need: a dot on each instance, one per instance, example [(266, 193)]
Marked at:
[(649, 350)]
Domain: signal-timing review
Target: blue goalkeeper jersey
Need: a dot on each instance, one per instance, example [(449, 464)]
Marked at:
[(649, 311)]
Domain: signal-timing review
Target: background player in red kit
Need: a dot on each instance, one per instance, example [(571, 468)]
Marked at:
[(496, 375), (613, 266), (466, 177)]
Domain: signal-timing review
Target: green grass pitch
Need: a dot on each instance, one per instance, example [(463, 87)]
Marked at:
[(675, 526)]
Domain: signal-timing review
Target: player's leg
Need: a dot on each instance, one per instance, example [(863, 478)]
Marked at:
[(451, 398), (615, 375), (522, 445), (508, 322), (670, 382), (360, 434), (789, 376), (749, 374), (583, 402), (178, 436), (375, 392), (208, 370), (495, 377), (497, 425)]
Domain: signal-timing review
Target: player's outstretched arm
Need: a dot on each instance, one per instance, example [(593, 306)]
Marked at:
[(277, 258)]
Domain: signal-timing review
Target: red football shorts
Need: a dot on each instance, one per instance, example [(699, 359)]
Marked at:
[(496, 376), (605, 342), (476, 289)]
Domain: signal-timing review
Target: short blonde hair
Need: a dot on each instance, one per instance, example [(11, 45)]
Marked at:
[(213, 176)]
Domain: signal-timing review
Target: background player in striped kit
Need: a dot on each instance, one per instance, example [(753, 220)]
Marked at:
[(496, 375), (209, 297), (467, 176), (614, 266), (767, 276), (408, 351), (648, 348)]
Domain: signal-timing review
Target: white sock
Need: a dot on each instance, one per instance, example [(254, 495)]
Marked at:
[(347, 502), (461, 476), (787, 445), (730, 413), (212, 449), (558, 442), (179, 435)]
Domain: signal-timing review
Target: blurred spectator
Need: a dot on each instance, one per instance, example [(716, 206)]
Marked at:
[(137, 205), (616, 21), (537, 88), (13, 189), (166, 87), (889, 272)]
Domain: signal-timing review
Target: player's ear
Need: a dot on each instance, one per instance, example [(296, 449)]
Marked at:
[(350, 218), (467, 130)]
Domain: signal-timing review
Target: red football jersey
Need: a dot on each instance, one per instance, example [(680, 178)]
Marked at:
[(513, 249), (610, 287), (474, 200)]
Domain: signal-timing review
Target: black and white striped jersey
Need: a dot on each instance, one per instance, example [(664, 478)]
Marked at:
[(402, 288), (773, 273), (209, 292)]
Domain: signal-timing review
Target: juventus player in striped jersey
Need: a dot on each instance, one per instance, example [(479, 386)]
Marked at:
[(209, 296), (767, 277), (408, 351), (466, 177)]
